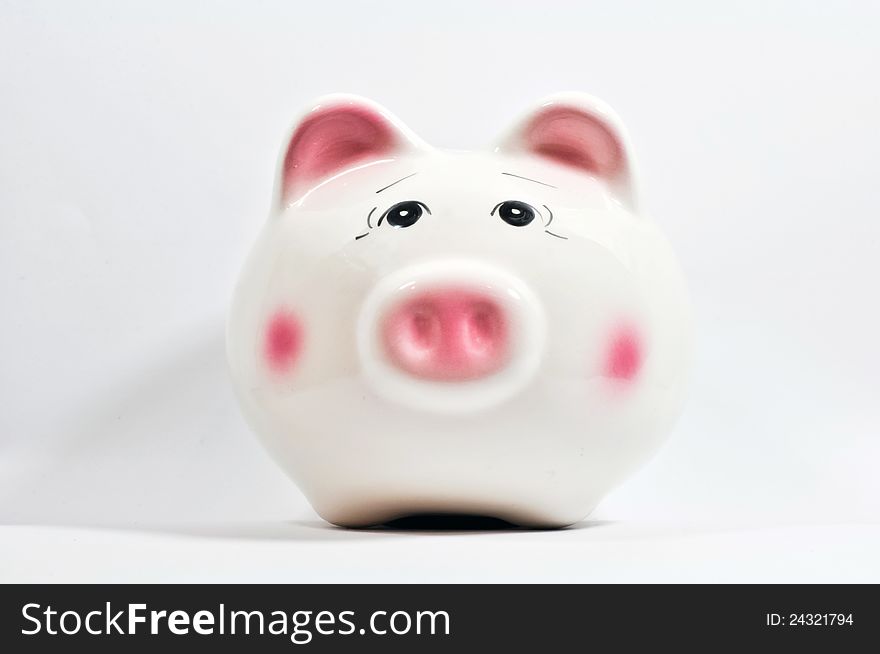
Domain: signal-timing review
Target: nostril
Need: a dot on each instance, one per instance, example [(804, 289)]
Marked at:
[(424, 328), (482, 328), (411, 334)]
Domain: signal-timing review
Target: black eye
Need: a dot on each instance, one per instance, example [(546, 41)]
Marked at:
[(515, 213), (404, 214)]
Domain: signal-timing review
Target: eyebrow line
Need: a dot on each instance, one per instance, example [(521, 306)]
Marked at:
[(528, 179), (397, 182)]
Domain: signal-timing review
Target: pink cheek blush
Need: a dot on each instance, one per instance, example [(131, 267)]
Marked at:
[(624, 357), (282, 342)]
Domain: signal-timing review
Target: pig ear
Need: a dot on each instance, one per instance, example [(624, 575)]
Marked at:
[(338, 133), (583, 133)]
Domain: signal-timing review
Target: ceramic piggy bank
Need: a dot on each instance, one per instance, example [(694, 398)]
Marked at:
[(498, 333)]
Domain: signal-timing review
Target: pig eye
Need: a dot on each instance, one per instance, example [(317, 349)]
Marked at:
[(514, 212), (404, 214)]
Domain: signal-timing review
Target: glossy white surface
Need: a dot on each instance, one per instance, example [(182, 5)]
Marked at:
[(541, 440)]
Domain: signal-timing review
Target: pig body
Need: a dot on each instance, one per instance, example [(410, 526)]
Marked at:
[(498, 332)]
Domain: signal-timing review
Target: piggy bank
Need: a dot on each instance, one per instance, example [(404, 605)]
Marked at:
[(500, 333)]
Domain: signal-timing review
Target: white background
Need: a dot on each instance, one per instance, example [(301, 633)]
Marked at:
[(137, 145)]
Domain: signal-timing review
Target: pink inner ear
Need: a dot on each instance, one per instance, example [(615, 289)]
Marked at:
[(332, 139), (577, 139)]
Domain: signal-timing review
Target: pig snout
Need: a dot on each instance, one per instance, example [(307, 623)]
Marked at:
[(450, 335), (446, 334)]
